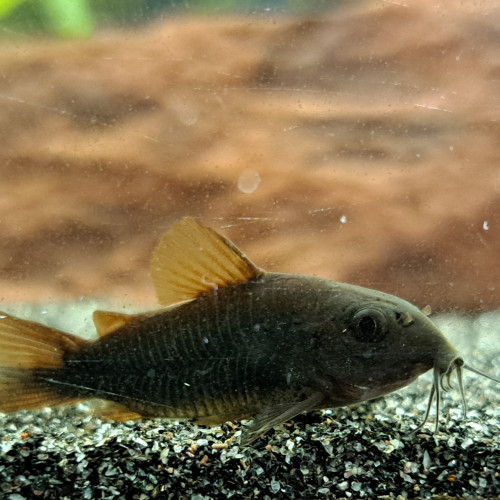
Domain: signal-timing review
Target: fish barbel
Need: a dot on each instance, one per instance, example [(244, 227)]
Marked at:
[(233, 342)]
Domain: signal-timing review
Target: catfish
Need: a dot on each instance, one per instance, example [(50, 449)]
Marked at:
[(232, 342)]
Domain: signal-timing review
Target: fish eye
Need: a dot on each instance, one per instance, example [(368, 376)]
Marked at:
[(369, 325)]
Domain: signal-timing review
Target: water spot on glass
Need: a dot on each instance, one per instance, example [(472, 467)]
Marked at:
[(249, 181), (186, 113)]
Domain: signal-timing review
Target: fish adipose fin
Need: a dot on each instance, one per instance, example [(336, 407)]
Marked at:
[(192, 259), (106, 322), (272, 416), (29, 353)]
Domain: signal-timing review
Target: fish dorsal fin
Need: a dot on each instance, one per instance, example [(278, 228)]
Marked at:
[(106, 322), (192, 259)]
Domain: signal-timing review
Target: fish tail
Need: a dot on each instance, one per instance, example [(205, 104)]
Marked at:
[(30, 354)]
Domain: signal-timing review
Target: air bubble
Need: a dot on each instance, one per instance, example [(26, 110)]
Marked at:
[(249, 181)]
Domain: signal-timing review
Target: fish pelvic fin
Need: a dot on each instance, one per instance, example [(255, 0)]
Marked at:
[(110, 410), (29, 353), (192, 259)]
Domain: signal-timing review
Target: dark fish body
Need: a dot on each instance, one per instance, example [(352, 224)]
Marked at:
[(235, 351), (239, 343)]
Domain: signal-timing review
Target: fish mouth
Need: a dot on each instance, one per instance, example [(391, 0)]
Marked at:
[(442, 383)]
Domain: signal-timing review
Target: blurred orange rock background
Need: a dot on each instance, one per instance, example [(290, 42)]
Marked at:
[(361, 146)]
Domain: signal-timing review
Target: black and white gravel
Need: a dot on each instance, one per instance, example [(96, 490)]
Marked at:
[(361, 452)]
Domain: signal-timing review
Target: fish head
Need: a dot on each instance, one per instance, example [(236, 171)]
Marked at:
[(378, 343)]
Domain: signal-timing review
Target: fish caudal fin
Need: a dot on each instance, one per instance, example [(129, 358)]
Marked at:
[(29, 353)]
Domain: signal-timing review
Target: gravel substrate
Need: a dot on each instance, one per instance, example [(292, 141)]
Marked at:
[(362, 452)]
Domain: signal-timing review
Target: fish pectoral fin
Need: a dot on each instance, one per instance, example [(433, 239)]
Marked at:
[(192, 259), (109, 410), (106, 322), (271, 416)]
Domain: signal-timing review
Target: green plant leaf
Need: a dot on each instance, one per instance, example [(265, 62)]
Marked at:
[(6, 6), (69, 18)]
